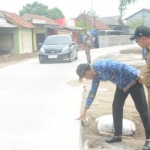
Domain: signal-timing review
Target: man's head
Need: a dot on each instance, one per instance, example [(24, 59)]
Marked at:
[(84, 71), (84, 29), (142, 36)]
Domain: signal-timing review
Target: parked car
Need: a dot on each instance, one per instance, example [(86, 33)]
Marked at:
[(58, 48)]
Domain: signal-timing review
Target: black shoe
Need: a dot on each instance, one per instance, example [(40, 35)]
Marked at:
[(146, 145), (113, 139)]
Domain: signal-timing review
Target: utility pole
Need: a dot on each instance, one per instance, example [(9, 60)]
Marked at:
[(92, 15), (84, 19)]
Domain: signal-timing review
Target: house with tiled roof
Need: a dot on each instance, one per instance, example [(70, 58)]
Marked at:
[(92, 22), (44, 20), (44, 28), (15, 34), (142, 17), (93, 25)]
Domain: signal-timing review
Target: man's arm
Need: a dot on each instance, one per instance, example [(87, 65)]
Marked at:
[(90, 98), (92, 93)]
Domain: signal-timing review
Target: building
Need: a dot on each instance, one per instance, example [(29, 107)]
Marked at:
[(141, 17), (115, 23), (70, 25), (44, 27), (92, 23), (15, 34)]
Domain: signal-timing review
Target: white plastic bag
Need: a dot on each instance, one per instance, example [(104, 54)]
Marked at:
[(105, 124)]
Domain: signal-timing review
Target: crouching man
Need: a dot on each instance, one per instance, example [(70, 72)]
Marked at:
[(127, 81)]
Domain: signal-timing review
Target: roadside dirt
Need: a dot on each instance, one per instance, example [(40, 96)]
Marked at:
[(10, 59), (102, 105)]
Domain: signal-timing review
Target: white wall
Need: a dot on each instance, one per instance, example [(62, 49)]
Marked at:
[(114, 40)]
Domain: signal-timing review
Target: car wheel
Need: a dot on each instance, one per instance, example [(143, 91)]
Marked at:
[(41, 62), (76, 57)]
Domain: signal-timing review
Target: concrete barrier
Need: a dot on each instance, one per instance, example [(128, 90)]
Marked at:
[(114, 40)]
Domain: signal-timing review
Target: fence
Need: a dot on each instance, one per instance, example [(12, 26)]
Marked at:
[(114, 40)]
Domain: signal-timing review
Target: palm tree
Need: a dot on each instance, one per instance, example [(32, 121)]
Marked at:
[(123, 6)]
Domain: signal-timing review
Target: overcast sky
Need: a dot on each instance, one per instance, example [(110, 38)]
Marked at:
[(71, 8)]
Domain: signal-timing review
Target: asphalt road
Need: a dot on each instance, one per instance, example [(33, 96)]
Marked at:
[(38, 107)]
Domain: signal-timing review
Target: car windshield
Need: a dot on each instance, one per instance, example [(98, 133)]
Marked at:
[(56, 40)]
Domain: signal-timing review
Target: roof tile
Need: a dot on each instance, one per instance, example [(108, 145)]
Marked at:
[(31, 16), (17, 20), (97, 24)]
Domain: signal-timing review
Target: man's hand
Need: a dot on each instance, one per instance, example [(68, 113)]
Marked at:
[(83, 115), (141, 80)]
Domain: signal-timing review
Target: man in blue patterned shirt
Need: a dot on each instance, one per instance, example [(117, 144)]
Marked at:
[(128, 81)]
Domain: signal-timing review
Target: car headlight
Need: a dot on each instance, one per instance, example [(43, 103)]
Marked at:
[(42, 50), (65, 49)]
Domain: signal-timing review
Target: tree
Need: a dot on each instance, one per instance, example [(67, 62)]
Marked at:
[(81, 24), (135, 23), (56, 13), (36, 9), (92, 13), (123, 6), (127, 1)]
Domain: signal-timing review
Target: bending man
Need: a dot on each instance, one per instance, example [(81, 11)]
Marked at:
[(127, 82)]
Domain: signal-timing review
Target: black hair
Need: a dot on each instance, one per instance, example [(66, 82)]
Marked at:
[(88, 67)]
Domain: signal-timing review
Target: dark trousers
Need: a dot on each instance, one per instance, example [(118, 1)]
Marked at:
[(138, 95)]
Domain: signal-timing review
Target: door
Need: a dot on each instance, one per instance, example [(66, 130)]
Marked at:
[(26, 44), (40, 37)]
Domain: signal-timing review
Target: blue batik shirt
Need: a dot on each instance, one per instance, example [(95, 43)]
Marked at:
[(144, 52), (123, 75)]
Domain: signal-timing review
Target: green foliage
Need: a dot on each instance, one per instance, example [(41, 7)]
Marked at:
[(92, 14), (123, 5), (56, 13), (82, 24), (37, 8), (135, 23)]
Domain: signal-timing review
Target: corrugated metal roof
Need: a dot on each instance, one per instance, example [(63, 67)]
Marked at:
[(4, 23), (29, 17), (114, 20), (17, 20), (7, 25)]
